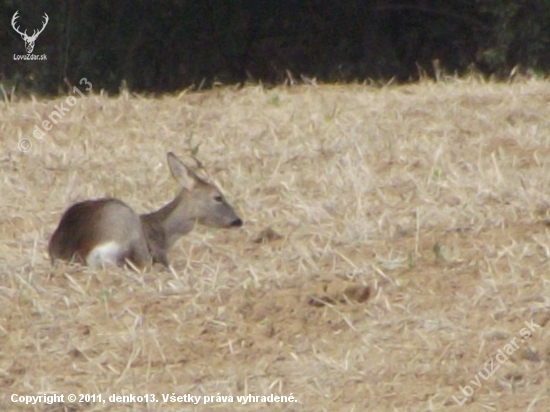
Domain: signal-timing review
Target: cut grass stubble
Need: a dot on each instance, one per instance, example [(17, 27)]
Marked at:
[(431, 197)]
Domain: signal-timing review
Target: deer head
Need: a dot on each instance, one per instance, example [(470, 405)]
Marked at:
[(29, 40)]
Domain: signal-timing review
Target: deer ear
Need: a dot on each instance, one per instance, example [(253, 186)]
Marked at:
[(181, 173)]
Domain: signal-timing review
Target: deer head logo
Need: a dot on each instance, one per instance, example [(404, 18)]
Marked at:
[(29, 40)]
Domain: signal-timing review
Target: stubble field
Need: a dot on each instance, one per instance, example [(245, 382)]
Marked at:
[(395, 239)]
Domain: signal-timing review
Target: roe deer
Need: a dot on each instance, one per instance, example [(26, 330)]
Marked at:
[(107, 231)]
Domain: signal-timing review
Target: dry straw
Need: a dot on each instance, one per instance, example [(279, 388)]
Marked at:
[(433, 198)]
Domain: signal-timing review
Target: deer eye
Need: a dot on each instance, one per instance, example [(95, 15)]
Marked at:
[(218, 199)]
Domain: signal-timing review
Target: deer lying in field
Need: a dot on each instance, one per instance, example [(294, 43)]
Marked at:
[(107, 231)]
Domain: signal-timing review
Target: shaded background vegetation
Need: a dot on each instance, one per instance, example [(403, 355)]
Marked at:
[(169, 45)]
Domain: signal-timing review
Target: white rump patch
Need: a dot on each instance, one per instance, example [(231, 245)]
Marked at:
[(105, 254)]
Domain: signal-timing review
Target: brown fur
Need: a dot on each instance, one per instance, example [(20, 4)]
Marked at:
[(146, 238)]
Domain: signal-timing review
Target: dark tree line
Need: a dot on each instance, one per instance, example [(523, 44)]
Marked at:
[(161, 46)]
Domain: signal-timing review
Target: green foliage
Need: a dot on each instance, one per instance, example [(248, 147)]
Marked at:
[(160, 48), (274, 100), (519, 34)]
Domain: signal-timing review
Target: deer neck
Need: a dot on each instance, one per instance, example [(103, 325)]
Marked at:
[(170, 222)]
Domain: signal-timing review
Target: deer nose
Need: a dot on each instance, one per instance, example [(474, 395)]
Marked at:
[(237, 223)]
